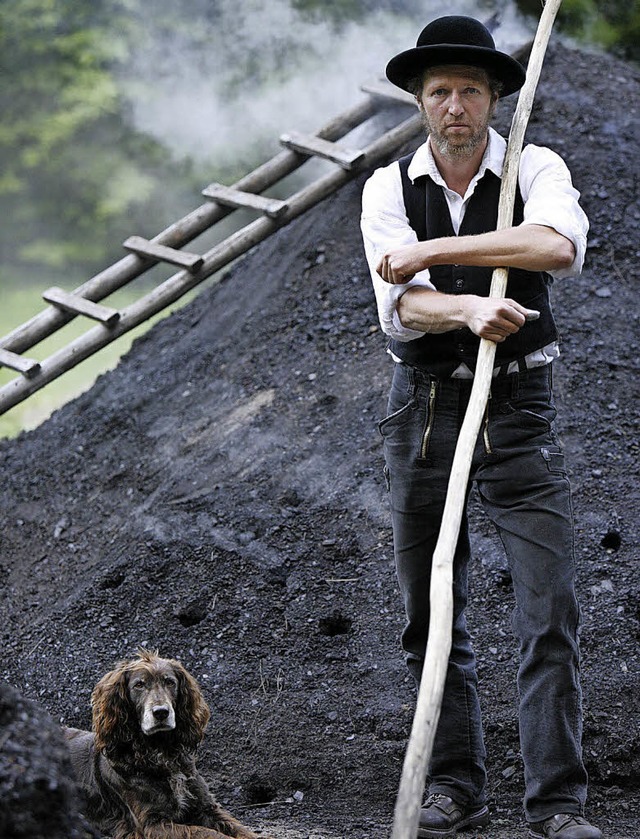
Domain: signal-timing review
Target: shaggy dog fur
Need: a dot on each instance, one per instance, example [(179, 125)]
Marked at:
[(137, 767)]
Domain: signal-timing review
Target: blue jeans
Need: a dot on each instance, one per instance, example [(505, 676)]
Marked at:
[(518, 469)]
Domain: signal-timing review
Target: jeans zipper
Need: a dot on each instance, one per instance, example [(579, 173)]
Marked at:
[(424, 448)]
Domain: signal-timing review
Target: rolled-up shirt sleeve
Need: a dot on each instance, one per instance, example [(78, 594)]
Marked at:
[(550, 199), (385, 226)]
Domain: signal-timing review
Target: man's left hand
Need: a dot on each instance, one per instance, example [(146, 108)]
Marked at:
[(401, 264)]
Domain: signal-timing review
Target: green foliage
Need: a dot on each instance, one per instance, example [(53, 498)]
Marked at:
[(76, 178), (614, 24), (56, 77)]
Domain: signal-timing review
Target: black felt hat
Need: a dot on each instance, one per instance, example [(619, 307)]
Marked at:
[(456, 39)]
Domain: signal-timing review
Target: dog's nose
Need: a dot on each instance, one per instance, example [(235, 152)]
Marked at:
[(160, 712)]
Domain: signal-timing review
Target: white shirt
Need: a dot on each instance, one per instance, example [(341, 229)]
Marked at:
[(546, 188)]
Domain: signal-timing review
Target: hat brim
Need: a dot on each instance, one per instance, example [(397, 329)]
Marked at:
[(407, 65)]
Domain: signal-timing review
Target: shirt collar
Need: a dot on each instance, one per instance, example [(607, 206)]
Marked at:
[(423, 162)]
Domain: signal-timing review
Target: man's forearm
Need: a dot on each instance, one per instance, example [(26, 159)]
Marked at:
[(432, 311), (492, 318), (532, 247)]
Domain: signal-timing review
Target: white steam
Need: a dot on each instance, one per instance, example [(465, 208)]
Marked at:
[(224, 85)]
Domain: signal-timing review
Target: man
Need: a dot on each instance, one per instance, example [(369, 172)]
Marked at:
[(428, 225)]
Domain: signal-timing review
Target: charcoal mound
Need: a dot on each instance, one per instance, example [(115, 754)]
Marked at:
[(219, 496)]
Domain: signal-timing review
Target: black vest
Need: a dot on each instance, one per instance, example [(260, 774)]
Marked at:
[(428, 215)]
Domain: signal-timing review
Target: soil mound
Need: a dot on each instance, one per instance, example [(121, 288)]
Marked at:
[(219, 496), (37, 789)]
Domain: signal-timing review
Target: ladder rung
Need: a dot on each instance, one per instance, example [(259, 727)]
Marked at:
[(27, 366), (143, 247), (231, 197), (312, 145), (384, 89), (81, 306)]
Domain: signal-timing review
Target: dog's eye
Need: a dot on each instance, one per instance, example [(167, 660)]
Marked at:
[(170, 683), (139, 684)]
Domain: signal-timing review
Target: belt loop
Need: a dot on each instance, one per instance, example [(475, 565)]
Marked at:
[(515, 385)]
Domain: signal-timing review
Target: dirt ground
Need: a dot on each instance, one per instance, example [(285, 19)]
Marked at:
[(219, 496)]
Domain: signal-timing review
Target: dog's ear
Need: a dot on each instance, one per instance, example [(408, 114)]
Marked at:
[(114, 718), (192, 712)]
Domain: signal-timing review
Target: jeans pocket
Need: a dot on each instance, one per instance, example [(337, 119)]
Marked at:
[(528, 417), (397, 419), (527, 414)]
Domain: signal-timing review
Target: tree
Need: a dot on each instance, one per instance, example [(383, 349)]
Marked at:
[(614, 24), (72, 169)]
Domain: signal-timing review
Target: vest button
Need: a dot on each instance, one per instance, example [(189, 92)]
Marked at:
[(459, 283)]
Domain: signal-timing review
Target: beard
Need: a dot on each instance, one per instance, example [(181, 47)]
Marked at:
[(454, 147)]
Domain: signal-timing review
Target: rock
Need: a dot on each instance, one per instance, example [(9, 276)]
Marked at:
[(37, 790)]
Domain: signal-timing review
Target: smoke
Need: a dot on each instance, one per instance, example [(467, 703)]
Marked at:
[(221, 87)]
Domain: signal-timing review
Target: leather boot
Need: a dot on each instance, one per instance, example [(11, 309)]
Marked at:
[(564, 826), (441, 817)]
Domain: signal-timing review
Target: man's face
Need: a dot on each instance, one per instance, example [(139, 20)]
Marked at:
[(457, 106)]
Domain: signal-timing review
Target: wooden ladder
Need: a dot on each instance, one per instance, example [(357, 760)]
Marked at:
[(106, 324)]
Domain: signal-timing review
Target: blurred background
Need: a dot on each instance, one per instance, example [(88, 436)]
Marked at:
[(115, 114)]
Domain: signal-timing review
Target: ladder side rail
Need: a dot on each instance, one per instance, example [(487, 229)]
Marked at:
[(387, 90), (181, 232), (179, 284)]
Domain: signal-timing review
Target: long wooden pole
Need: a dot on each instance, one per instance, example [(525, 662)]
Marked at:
[(419, 749)]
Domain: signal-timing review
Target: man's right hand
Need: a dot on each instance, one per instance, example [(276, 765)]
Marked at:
[(494, 318)]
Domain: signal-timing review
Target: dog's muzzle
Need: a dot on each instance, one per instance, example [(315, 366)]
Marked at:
[(158, 718)]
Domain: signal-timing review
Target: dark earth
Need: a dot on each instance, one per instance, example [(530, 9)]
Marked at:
[(219, 496)]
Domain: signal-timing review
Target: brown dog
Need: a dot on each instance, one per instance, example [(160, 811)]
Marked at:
[(137, 768)]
